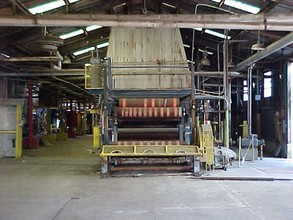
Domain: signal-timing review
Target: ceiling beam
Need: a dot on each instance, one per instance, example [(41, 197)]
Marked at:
[(277, 22)]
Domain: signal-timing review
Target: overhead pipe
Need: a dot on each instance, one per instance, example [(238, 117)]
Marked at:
[(49, 72), (195, 13), (218, 49), (277, 21), (31, 59), (196, 73), (72, 84), (274, 47)]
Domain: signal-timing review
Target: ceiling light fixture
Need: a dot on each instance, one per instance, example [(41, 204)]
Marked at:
[(258, 46), (66, 60), (205, 61)]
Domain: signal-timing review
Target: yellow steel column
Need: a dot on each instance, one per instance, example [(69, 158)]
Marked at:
[(96, 137), (18, 141)]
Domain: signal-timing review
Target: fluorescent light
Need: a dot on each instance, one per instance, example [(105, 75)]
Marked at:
[(93, 27), (72, 1), (106, 44), (46, 7), (217, 34), (168, 5), (4, 55), (185, 45), (71, 34), (240, 5), (79, 52)]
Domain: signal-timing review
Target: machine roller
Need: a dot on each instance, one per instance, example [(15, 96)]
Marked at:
[(149, 134)]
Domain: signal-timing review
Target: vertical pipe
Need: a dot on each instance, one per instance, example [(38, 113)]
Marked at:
[(239, 151), (30, 116), (257, 100), (226, 92), (193, 110), (192, 46), (249, 102), (252, 147), (106, 107), (110, 79)]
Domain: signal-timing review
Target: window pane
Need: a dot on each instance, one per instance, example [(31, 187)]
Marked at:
[(245, 94), (267, 87)]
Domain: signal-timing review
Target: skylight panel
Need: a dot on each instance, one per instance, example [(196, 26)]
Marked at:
[(217, 34), (240, 5), (106, 44), (71, 34), (198, 29), (214, 33), (46, 7), (79, 52), (72, 1), (93, 27), (269, 73)]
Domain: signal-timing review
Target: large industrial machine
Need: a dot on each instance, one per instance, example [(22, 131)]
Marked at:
[(148, 110)]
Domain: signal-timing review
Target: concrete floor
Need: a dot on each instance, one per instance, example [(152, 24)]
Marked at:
[(61, 182)]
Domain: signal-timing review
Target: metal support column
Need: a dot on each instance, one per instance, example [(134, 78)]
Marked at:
[(30, 116)]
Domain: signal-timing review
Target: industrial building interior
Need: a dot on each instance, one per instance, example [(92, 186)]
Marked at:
[(192, 96)]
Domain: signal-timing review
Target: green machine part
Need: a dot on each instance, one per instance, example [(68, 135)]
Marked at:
[(205, 140)]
